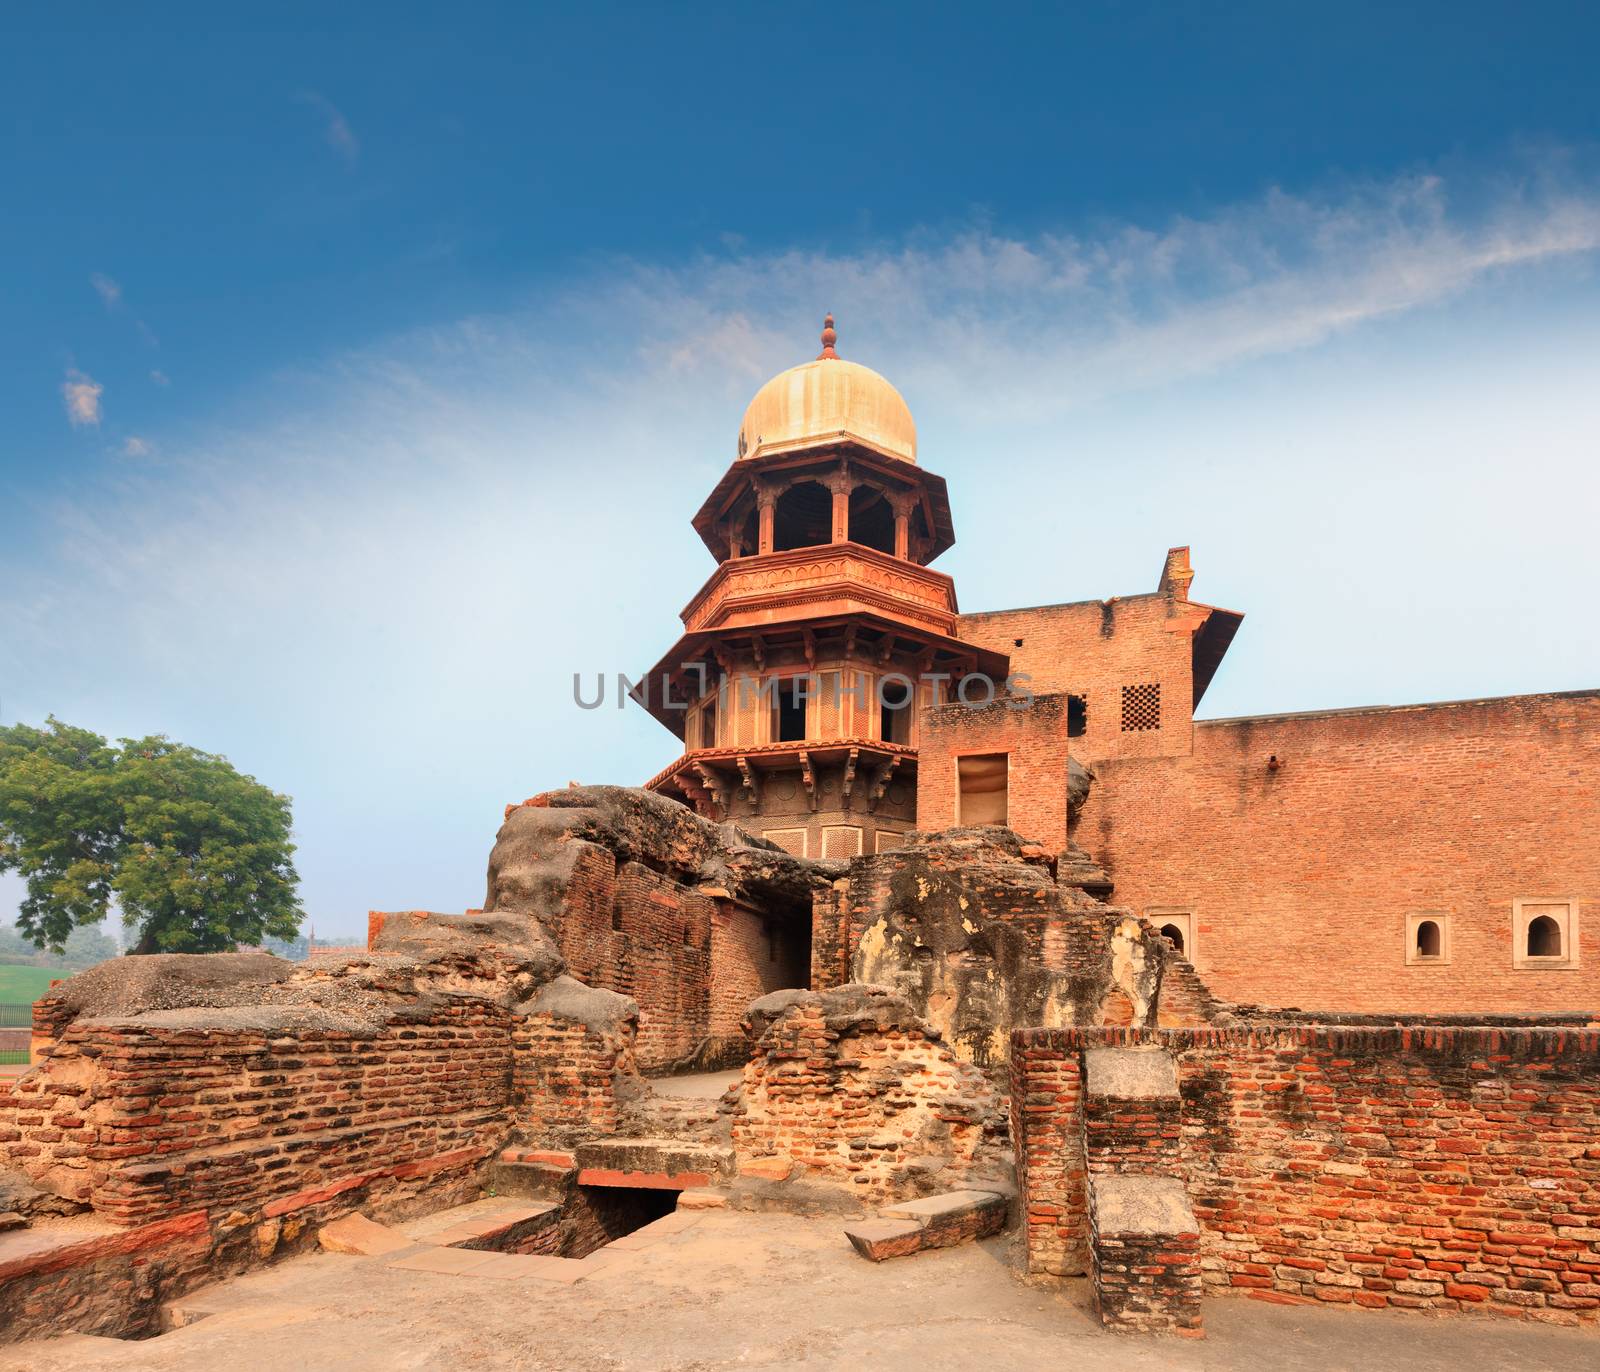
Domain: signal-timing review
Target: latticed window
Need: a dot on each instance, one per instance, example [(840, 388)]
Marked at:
[(1141, 707)]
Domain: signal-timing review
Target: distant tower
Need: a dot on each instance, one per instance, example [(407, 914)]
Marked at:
[(808, 655)]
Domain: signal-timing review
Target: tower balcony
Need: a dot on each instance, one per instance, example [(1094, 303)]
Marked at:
[(827, 580)]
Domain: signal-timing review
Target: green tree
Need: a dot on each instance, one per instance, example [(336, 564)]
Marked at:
[(196, 855)]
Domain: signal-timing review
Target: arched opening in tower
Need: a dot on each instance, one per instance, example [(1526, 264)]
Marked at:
[(1429, 942), (871, 519), (803, 517)]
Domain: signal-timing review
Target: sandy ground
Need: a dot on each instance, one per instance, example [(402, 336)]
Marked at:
[(770, 1292)]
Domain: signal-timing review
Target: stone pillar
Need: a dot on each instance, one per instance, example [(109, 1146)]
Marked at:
[(902, 505), (766, 511), (841, 485)]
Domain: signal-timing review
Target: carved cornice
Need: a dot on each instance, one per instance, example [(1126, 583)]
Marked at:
[(807, 575)]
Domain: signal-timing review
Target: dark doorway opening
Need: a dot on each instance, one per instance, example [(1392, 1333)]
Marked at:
[(789, 703)]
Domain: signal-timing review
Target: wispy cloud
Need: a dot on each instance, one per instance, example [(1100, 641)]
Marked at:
[(336, 128), (160, 378), (134, 446), (81, 395), (108, 290), (371, 508)]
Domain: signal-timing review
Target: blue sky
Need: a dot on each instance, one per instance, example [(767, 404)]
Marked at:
[(358, 381)]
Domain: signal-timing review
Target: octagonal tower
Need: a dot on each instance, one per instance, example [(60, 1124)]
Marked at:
[(808, 656)]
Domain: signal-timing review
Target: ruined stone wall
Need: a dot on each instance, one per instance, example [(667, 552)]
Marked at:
[(852, 1087), (573, 1055), (1426, 1168), (628, 883), (639, 932), (1301, 877), (975, 930), (1033, 734)]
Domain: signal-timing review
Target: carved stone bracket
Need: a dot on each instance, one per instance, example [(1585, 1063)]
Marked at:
[(752, 781), (880, 784)]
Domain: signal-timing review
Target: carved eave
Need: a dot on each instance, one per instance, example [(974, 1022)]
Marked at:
[(720, 649), (933, 494), (715, 774)]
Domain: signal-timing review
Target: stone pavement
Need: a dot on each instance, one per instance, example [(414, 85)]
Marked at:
[(773, 1292)]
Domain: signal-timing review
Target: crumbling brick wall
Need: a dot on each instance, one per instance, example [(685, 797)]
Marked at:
[(1444, 1168), (853, 1087), (175, 1114), (628, 884), (752, 955), (573, 1054)]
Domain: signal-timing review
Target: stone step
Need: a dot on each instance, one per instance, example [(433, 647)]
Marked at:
[(661, 1163), (934, 1222)]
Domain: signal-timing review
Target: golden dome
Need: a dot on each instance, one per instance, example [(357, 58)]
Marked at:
[(825, 401)]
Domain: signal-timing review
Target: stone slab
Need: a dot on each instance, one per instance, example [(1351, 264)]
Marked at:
[(702, 1198), (885, 1238), (449, 1260), (1140, 1206), (1130, 1073), (949, 1205), (357, 1234)]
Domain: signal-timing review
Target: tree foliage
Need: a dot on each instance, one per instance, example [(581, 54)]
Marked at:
[(196, 855)]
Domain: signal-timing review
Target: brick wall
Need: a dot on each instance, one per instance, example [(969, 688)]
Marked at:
[(1437, 1168), (564, 1078), (852, 1088), (147, 1120), (635, 930), (752, 955), (1033, 734), (1093, 649), (1301, 877)]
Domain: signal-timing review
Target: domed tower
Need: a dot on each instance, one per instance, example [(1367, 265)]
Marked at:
[(809, 655)]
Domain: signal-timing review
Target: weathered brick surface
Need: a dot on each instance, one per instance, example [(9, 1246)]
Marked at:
[(854, 1088), (564, 1078), (1046, 1108), (1438, 1168), (1034, 734), (1301, 878), (147, 1120)]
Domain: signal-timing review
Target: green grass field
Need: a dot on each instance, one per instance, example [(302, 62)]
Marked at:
[(23, 985)]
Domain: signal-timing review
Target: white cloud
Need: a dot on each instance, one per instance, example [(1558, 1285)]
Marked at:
[(341, 138), (81, 394), (160, 378), (446, 524), (134, 446), (109, 291)]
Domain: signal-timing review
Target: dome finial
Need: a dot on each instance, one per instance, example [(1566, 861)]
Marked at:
[(829, 337)]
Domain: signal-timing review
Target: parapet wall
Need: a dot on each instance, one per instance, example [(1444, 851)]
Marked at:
[(1420, 1168)]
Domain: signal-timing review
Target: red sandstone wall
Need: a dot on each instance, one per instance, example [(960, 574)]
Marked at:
[(1301, 878), (1438, 1169)]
